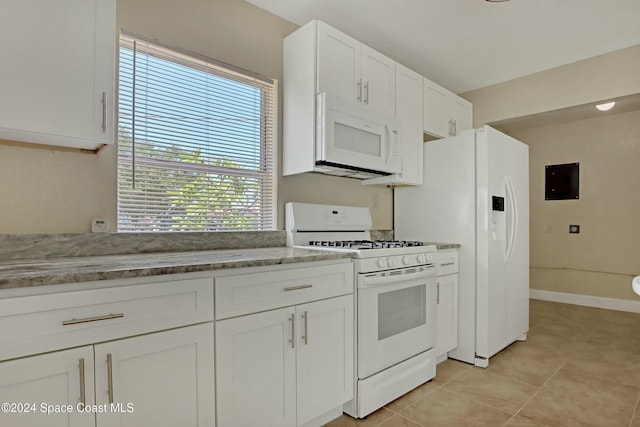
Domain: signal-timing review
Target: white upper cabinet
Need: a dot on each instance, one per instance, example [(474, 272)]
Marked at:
[(408, 90), (318, 58), (378, 81), (445, 113), (58, 72), (352, 70), (339, 63)]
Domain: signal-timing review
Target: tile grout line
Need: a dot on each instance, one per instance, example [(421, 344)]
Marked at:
[(477, 401), (568, 357), (438, 387), (411, 404), (411, 419), (635, 408)]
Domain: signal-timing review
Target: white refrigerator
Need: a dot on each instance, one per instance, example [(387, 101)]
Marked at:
[(476, 193)]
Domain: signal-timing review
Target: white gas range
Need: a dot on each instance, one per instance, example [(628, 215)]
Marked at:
[(395, 300)]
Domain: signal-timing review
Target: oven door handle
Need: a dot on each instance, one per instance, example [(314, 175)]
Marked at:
[(371, 281)]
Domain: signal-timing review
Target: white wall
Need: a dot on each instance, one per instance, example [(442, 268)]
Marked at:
[(47, 191), (605, 256)]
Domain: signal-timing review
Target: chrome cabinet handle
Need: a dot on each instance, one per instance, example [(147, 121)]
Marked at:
[(359, 90), (104, 112), (438, 293), (366, 93), (446, 263), (455, 127), (110, 377), (83, 391), (305, 316), (450, 127), (93, 319), (292, 319), (296, 288)]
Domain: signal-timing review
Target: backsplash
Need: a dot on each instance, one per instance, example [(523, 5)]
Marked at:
[(381, 234)]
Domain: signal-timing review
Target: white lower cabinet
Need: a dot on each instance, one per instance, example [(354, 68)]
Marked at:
[(447, 299), (162, 379), (126, 353), (50, 379), (447, 313), (287, 366), (324, 356)]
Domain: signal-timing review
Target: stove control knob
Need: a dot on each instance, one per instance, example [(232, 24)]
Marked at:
[(406, 260), (422, 258), (390, 262), (381, 263)]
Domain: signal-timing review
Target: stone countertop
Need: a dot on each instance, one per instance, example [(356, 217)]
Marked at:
[(442, 246), (50, 271)]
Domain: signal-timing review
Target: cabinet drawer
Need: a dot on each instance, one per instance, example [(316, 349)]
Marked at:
[(39, 323), (446, 262), (259, 291)]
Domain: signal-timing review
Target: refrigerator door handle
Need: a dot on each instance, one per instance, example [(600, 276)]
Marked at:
[(512, 219)]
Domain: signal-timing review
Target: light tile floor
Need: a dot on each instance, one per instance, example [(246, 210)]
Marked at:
[(579, 367)]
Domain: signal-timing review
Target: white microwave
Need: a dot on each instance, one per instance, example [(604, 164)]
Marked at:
[(355, 140)]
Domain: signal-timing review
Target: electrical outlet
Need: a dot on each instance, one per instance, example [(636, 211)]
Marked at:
[(574, 229)]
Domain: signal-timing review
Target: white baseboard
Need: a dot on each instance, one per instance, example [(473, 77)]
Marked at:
[(586, 300)]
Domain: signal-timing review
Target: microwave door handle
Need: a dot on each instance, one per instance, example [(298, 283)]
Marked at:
[(390, 150)]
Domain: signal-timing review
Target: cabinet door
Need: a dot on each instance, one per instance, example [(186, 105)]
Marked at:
[(161, 379), (339, 63), (325, 356), (409, 111), (59, 69), (378, 81), (461, 112), (447, 312), (255, 364), (436, 112), (53, 379)]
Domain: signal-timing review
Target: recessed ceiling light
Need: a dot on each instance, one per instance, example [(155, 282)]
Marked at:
[(605, 107)]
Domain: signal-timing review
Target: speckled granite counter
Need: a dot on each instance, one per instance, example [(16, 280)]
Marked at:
[(443, 246), (49, 271)]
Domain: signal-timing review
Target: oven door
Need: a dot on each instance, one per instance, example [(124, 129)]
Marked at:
[(396, 317)]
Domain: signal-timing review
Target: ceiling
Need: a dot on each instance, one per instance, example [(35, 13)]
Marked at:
[(623, 104), (468, 44)]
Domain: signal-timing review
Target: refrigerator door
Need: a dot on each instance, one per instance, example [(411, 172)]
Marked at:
[(502, 241), (444, 210)]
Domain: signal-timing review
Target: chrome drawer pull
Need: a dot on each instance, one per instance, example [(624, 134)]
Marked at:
[(110, 376), (83, 394), (447, 263), (295, 288), (104, 112), (292, 319), (305, 316), (93, 319)]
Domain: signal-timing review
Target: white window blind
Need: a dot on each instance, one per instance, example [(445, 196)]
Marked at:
[(195, 143)]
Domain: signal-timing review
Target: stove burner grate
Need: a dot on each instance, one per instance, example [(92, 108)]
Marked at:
[(366, 244)]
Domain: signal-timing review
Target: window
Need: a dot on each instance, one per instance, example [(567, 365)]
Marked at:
[(195, 143)]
